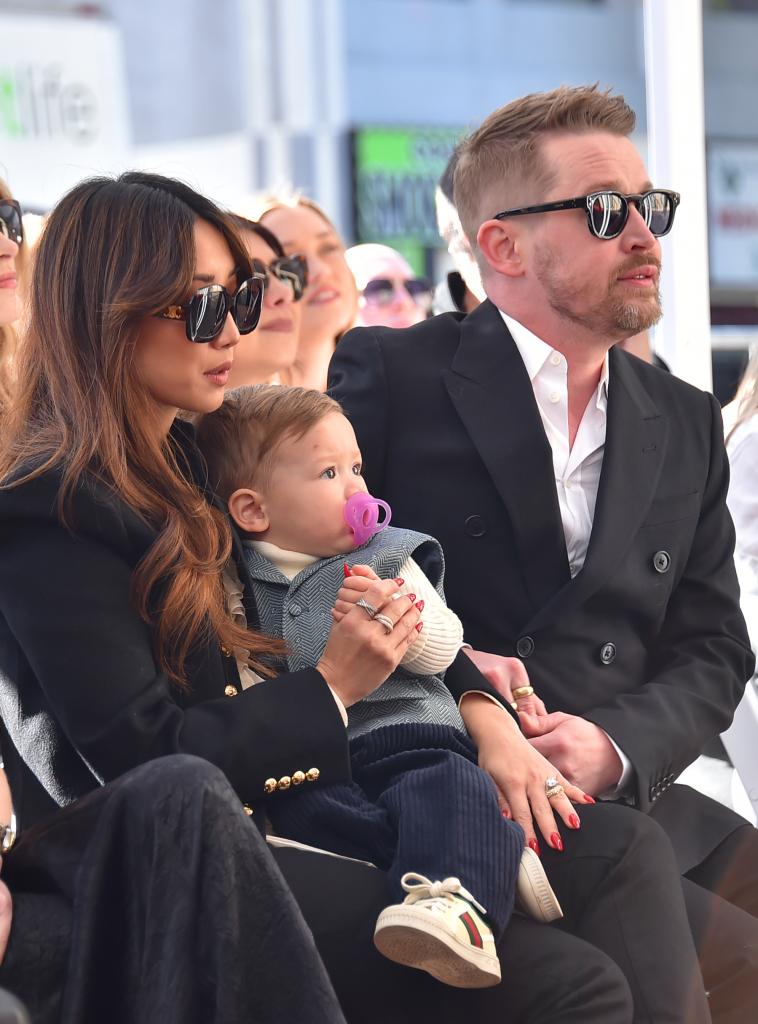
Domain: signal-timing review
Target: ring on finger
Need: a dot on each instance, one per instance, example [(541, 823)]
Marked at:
[(368, 608), (553, 787), (522, 691), (386, 621)]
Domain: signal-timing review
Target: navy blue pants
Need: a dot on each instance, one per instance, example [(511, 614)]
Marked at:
[(418, 802)]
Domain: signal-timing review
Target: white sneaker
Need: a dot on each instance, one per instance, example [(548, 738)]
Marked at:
[(534, 895), (438, 928)]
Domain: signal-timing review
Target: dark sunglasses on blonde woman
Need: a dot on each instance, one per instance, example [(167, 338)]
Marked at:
[(206, 311), (11, 225), (293, 270)]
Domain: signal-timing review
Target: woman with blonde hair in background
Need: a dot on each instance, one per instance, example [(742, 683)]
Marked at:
[(331, 298), (11, 239)]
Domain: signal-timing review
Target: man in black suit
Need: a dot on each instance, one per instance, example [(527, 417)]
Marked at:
[(579, 493)]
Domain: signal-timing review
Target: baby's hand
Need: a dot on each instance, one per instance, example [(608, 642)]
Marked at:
[(357, 582)]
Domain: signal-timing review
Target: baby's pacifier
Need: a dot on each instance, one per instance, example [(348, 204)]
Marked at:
[(362, 516)]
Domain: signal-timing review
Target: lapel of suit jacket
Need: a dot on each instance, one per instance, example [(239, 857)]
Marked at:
[(491, 391), (635, 444)]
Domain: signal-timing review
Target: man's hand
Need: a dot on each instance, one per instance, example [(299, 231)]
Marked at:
[(579, 750), (507, 675)]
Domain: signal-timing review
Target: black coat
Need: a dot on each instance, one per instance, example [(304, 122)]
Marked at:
[(647, 641), (81, 697)]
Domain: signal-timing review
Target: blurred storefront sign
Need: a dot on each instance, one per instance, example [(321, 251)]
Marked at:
[(395, 172), (63, 107), (733, 214)]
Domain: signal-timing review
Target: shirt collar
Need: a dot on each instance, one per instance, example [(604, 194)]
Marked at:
[(535, 353)]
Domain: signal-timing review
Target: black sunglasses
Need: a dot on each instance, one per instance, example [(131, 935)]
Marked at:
[(608, 211), (292, 270), (381, 291), (11, 224), (206, 311)]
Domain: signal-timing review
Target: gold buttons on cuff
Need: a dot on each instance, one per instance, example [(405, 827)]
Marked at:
[(269, 785), (247, 809), (312, 774), (284, 782), (298, 778), (231, 691)]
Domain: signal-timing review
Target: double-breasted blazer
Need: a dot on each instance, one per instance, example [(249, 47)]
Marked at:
[(81, 697), (647, 640)]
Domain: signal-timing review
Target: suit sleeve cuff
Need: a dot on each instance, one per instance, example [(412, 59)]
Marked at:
[(623, 790)]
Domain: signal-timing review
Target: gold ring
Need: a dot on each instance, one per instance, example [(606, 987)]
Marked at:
[(522, 691), (556, 790), (386, 621)]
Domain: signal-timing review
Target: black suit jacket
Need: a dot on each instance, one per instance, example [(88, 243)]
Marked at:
[(81, 697), (647, 641)]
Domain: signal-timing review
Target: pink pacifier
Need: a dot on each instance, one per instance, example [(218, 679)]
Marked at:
[(362, 516)]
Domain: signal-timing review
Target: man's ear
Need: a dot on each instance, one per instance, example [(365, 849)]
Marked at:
[(501, 247), (247, 510)]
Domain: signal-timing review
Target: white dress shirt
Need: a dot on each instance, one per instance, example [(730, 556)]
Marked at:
[(576, 468), (742, 499)]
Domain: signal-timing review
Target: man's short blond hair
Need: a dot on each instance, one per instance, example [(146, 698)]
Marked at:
[(240, 439), (500, 165)]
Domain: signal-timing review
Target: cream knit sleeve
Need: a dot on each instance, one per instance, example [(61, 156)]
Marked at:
[(439, 641)]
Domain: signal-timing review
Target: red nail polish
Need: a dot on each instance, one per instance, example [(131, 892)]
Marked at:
[(506, 813), (534, 845), (399, 580), (346, 569), (420, 605), (412, 597), (419, 626), (556, 842), (573, 821), (588, 799)]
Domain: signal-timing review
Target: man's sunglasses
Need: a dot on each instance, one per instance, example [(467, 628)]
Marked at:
[(380, 291), (206, 311), (292, 270), (11, 224), (608, 212)]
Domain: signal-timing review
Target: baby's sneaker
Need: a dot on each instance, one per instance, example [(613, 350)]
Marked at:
[(439, 928), (534, 895)]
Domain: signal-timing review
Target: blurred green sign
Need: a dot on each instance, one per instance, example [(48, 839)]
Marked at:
[(395, 172)]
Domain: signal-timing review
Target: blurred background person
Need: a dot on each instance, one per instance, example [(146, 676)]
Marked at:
[(11, 238), (330, 299), (389, 293), (267, 354), (741, 426), (461, 289)]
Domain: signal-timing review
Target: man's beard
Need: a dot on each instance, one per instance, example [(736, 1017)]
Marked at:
[(609, 317)]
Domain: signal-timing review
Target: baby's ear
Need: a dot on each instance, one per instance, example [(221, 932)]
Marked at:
[(247, 511)]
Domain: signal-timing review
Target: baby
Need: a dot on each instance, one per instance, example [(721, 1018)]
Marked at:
[(287, 463)]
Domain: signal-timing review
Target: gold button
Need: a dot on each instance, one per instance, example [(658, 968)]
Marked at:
[(248, 810), (284, 782), (312, 774), (297, 778), (225, 651), (269, 785), (230, 691)]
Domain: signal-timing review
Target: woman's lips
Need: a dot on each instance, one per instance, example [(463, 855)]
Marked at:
[(323, 296), (8, 281), (219, 374), (282, 325)]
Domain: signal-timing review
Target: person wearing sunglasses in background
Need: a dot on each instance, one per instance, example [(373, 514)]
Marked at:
[(266, 356), (328, 305), (389, 293), (594, 482)]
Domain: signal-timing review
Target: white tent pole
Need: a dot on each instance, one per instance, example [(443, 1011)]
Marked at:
[(676, 159)]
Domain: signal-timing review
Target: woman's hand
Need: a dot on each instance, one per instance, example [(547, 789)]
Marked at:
[(357, 582), (6, 916), (519, 772), (360, 653)]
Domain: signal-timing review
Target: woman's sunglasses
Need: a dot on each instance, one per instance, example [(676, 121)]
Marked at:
[(608, 212), (293, 270), (380, 291), (11, 224), (206, 311)]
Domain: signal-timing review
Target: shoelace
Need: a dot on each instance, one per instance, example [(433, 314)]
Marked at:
[(419, 887)]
